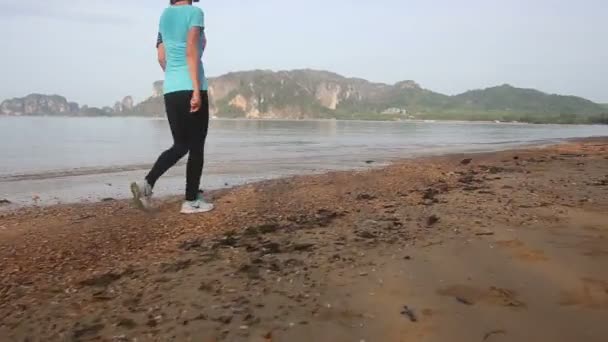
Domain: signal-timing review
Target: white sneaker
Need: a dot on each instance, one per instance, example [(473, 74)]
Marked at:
[(201, 196), (142, 195), (196, 207)]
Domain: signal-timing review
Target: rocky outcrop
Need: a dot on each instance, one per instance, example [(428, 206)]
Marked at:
[(248, 106), (328, 95), (157, 89), (126, 105), (37, 104), (52, 105), (74, 107), (407, 85)]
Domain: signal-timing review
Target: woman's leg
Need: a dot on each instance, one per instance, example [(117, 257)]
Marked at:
[(198, 125), (176, 105)]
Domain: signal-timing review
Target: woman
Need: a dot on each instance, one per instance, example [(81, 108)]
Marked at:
[(180, 45)]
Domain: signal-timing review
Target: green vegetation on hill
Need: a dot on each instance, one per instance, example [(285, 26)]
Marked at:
[(507, 103)]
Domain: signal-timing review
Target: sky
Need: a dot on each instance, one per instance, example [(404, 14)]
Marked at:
[(96, 52)]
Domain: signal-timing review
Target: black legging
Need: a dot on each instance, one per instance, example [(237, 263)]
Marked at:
[(189, 132)]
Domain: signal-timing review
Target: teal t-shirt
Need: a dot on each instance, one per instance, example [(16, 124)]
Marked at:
[(175, 23)]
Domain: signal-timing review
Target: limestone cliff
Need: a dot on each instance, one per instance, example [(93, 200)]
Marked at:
[(37, 104), (55, 105), (301, 94)]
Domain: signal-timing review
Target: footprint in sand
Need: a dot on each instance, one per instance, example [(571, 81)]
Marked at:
[(596, 253), (494, 296), (593, 246), (511, 243), (522, 252), (596, 228), (592, 294), (532, 255)]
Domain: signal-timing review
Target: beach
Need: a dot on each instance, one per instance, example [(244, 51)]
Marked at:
[(494, 246)]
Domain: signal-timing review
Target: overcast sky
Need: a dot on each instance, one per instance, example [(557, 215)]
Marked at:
[(96, 52)]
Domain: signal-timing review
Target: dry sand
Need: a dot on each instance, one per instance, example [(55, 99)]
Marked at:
[(509, 246)]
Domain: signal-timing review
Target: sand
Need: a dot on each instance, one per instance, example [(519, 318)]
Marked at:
[(507, 246)]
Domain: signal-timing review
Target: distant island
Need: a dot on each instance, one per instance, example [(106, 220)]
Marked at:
[(312, 94)]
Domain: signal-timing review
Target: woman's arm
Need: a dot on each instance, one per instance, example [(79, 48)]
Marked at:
[(160, 49), (204, 36), (193, 57)]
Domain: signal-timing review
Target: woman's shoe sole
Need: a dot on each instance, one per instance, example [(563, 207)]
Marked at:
[(196, 212)]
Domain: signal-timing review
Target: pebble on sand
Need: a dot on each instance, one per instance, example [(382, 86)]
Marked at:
[(432, 220)]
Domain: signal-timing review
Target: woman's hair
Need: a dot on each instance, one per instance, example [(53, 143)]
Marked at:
[(172, 2)]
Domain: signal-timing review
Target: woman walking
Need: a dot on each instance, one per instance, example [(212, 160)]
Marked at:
[(181, 42)]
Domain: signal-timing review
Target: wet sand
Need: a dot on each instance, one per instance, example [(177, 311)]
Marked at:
[(507, 246)]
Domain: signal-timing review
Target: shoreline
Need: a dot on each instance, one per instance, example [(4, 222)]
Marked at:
[(429, 121), (114, 174), (516, 235)]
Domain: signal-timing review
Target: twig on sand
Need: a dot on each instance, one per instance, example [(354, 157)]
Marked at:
[(464, 301), (493, 332), (409, 313), (432, 244)]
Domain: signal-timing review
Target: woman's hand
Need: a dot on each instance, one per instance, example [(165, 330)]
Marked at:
[(195, 102)]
